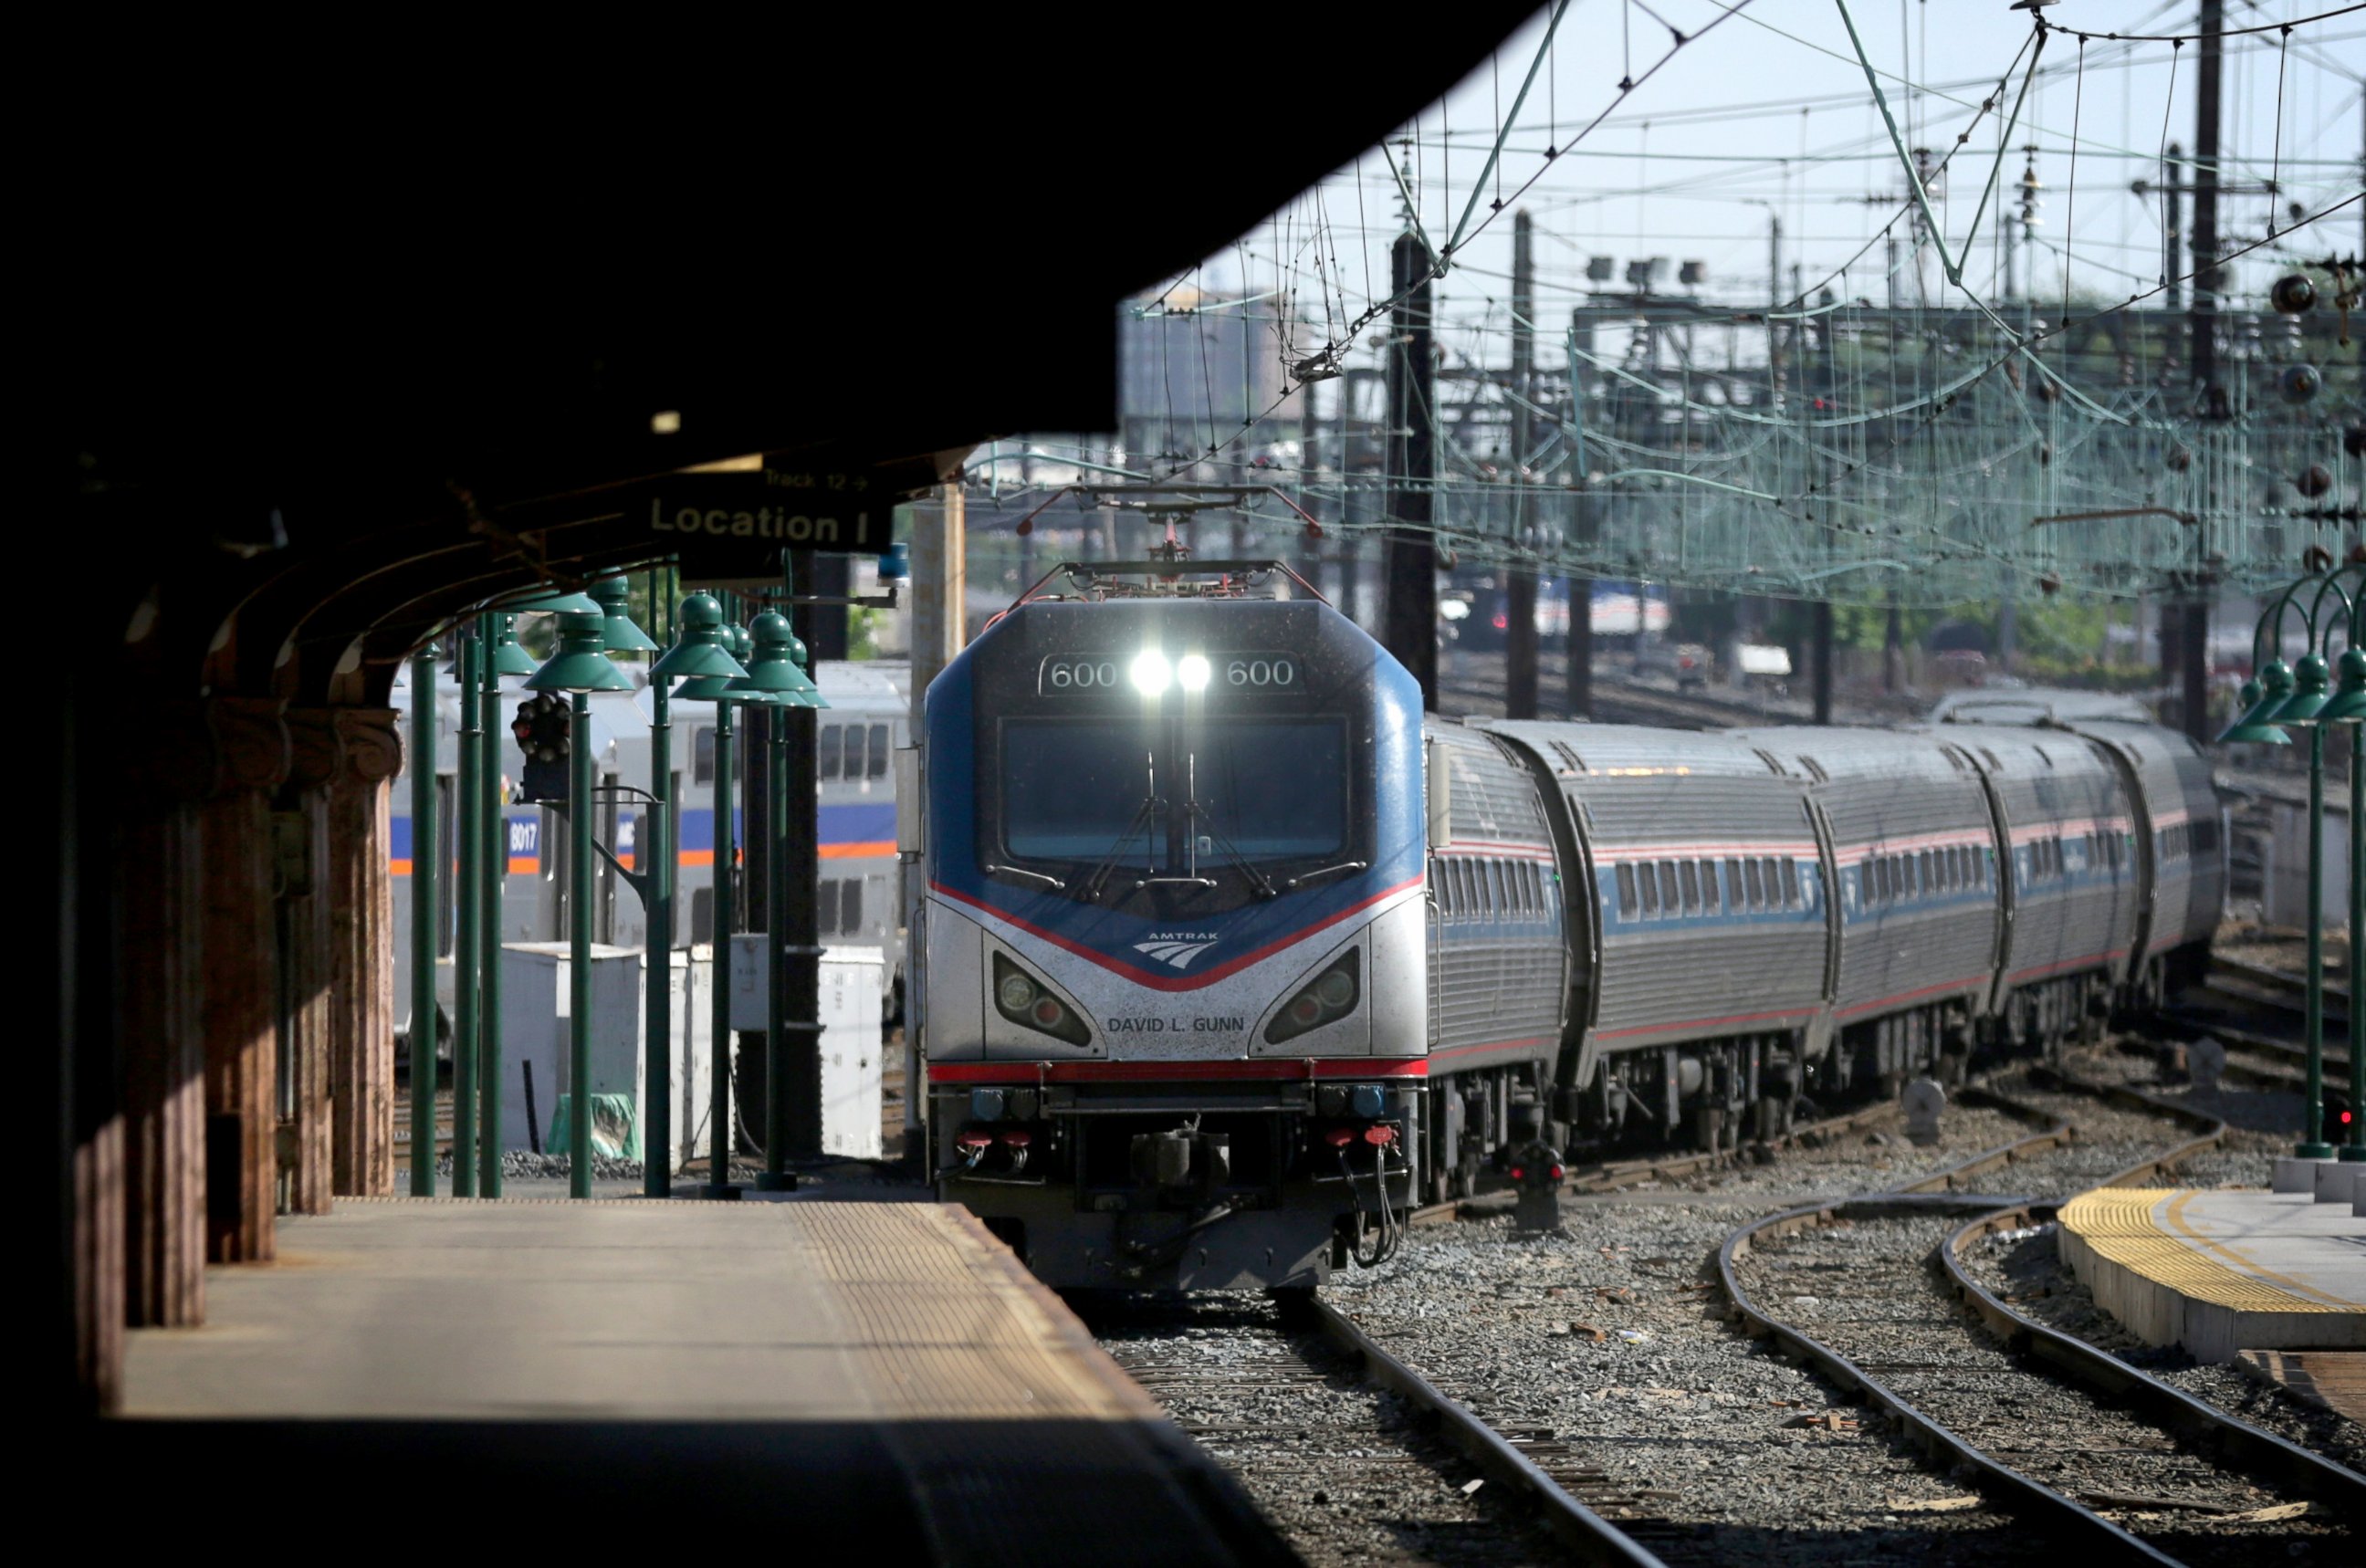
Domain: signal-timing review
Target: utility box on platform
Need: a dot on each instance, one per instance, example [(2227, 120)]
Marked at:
[(537, 1003), (537, 1010), (853, 980)]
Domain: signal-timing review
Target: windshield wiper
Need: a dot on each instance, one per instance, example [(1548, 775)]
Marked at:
[(1143, 815), (1298, 881), (1198, 814)]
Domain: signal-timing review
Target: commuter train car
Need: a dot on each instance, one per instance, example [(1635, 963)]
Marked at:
[(859, 884), (1225, 954)]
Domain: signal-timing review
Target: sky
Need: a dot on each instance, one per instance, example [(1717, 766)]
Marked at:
[(1765, 114)]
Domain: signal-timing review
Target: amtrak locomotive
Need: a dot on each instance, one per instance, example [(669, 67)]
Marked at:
[(1224, 955)]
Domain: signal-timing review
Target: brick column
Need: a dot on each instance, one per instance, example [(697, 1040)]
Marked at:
[(307, 953), (361, 952), (237, 946), (160, 1022)]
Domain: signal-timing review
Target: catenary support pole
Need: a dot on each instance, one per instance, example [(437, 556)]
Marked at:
[(424, 883), (719, 1132), (1411, 578), (2203, 343), (1520, 574), (467, 844), (1824, 658), (579, 949), (493, 825)]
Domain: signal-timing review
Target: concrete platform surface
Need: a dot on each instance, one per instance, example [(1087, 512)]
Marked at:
[(2221, 1271), (884, 1373)]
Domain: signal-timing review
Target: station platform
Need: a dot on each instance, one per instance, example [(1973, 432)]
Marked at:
[(880, 1375), (2222, 1272)]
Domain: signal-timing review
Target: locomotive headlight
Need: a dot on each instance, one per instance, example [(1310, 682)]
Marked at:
[(1328, 998), (1028, 1003), (1152, 675), (1191, 673)]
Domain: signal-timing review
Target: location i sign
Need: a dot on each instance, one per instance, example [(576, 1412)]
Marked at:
[(715, 520)]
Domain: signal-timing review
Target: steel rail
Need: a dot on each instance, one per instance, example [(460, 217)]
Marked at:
[(2010, 1487), (2280, 981), (1584, 1532), (2053, 1132), (2072, 1521), (2229, 1441)]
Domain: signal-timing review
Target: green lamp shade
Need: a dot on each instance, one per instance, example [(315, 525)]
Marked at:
[(613, 595), (773, 671), (509, 658), (2260, 699), (721, 688), (2349, 703), (579, 665), (555, 601), (701, 650), (2309, 696)]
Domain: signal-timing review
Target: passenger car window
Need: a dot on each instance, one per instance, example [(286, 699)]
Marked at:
[(875, 765), (1791, 885), (1650, 891), (1668, 886), (829, 750), (1691, 875), (1626, 892)]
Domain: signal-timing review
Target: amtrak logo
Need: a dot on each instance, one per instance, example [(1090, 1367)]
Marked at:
[(1178, 948)]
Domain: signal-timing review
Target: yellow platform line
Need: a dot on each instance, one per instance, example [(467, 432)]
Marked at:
[(2119, 1226)]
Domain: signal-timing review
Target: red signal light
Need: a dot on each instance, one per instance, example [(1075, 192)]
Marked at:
[(1503, 622), (1556, 1173), (1518, 1174)]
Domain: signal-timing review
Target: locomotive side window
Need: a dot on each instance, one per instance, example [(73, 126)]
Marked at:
[(1626, 904)]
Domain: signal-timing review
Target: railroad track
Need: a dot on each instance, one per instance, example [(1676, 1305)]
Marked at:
[(2097, 1454), (1352, 1454), (2278, 987)]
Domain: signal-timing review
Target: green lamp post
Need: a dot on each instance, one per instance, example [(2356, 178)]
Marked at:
[(2345, 706), (2348, 709), (2302, 696), (773, 672), (497, 632), (424, 883), (700, 651), (717, 689), (469, 871), (579, 668)]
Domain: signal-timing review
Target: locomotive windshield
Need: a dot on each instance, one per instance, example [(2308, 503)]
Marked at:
[(1276, 788), (1221, 801)]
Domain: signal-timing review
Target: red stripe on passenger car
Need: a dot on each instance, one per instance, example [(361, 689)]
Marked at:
[(1177, 982), (1105, 1072), (1705, 1022)]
